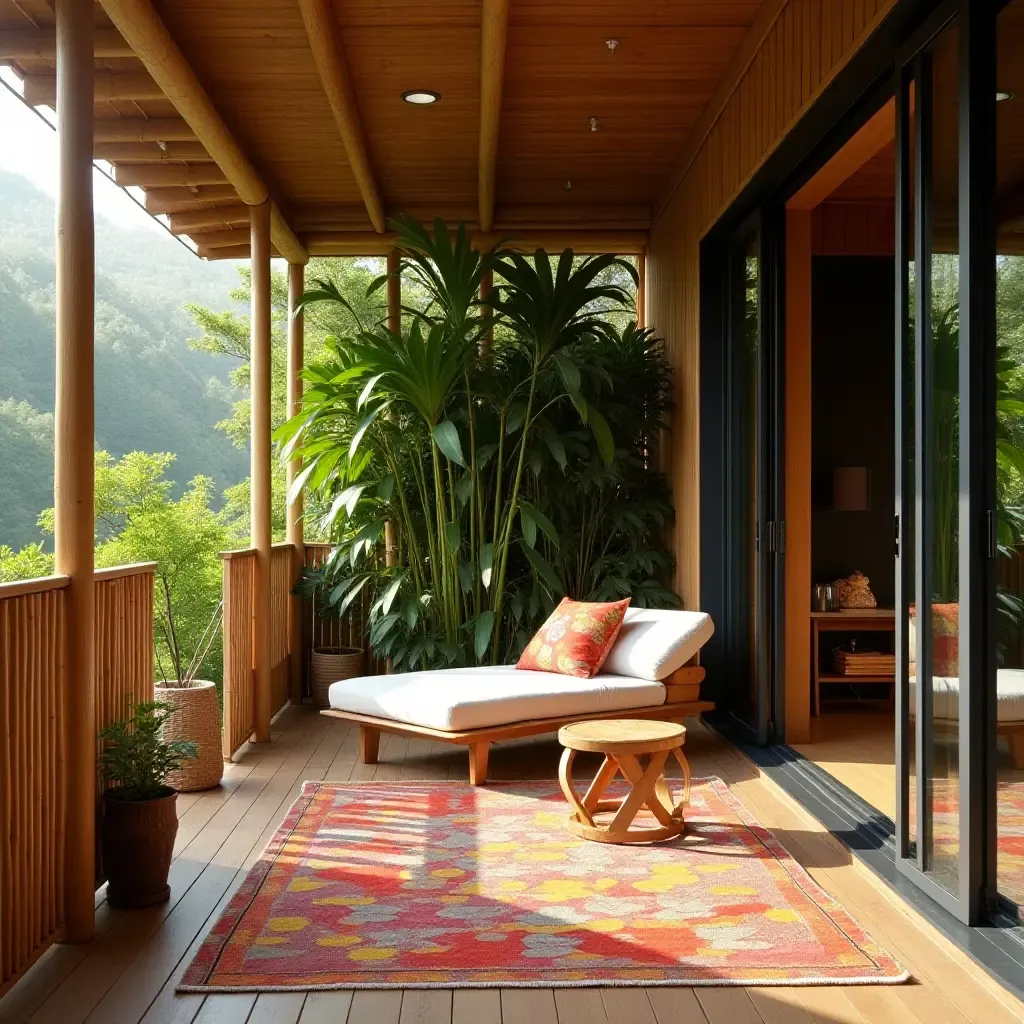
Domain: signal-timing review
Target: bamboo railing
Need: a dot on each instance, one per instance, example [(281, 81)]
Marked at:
[(34, 678), (238, 696)]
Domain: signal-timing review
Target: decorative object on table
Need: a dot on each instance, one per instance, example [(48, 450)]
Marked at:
[(623, 741), (532, 907), (330, 665), (197, 713), (852, 660), (847, 623), (825, 598), (575, 639), (854, 591), (138, 811)]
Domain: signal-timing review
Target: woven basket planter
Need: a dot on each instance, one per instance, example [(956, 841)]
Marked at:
[(197, 719), (329, 665)]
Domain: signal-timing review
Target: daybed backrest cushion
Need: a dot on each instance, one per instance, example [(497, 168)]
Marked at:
[(654, 642), (576, 638)]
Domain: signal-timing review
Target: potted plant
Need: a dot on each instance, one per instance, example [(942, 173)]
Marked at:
[(139, 817), (329, 665), (195, 700)]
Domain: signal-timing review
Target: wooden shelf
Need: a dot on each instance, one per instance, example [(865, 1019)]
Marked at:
[(827, 677)]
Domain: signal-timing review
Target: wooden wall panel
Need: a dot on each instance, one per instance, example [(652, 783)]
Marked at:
[(239, 650), (728, 148), (280, 591)]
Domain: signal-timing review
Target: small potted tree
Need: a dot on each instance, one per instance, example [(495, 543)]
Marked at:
[(139, 817)]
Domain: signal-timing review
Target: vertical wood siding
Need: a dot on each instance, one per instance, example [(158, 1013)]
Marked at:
[(799, 52), (33, 683), (239, 651), (280, 593)]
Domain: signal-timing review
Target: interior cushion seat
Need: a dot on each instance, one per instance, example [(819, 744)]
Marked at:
[(946, 696)]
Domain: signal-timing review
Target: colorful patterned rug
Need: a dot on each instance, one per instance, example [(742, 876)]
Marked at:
[(445, 885)]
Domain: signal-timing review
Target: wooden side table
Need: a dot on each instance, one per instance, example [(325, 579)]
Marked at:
[(864, 620), (623, 741)]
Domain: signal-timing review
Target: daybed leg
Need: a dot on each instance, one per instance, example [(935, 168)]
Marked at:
[(1017, 748), (369, 743), (478, 763)]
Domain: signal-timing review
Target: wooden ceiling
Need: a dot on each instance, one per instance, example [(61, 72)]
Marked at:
[(303, 102)]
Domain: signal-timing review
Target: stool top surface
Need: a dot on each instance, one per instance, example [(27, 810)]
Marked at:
[(622, 736)]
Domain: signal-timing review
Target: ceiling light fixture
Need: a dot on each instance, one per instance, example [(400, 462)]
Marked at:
[(421, 97), (1002, 95), (593, 124), (611, 44)]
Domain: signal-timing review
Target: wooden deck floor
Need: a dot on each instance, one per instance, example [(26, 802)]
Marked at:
[(128, 974)]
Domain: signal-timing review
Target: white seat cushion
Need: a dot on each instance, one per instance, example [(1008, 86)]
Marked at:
[(654, 642), (458, 699), (946, 696)]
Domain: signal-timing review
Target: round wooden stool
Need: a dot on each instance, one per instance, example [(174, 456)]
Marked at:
[(622, 741)]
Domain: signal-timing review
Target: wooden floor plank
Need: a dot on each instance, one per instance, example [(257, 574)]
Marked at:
[(675, 1006), (476, 1006), (528, 1006), (426, 1006), (628, 1006), (375, 1007), (727, 1006), (226, 1009), (580, 1006), (277, 1008), (326, 1007), (777, 1005)]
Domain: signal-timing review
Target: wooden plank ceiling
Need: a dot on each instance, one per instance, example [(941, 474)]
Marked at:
[(306, 97)]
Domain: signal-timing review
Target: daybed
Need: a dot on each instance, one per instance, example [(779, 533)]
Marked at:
[(643, 677)]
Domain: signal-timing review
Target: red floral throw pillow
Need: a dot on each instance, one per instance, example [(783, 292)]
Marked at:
[(576, 638)]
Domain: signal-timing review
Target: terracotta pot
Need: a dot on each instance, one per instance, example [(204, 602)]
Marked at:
[(136, 844), (330, 664), (197, 719)]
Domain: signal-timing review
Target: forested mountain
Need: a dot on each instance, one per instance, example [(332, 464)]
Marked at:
[(152, 392)]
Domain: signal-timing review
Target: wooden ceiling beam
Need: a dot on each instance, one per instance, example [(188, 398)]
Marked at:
[(41, 90), (176, 199), (221, 239), (141, 26), (332, 67), (220, 217), (150, 152), (227, 252), (142, 129), (19, 43), (365, 243), (493, 39), (147, 175)]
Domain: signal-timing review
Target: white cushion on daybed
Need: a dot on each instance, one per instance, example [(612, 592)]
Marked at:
[(654, 642), (946, 696), (457, 699)]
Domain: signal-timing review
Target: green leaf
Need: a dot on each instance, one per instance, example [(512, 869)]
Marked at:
[(465, 577), (529, 527), (556, 447), (447, 439), (348, 499), (569, 371), (464, 488), (484, 454), (543, 568), (453, 535), (386, 487), (364, 395), (300, 481), (376, 284), (486, 564), (357, 437), (482, 633), (351, 596), (603, 435), (516, 415), (390, 594), (541, 520)]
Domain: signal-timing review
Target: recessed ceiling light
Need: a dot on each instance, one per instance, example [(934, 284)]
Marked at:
[(1002, 95), (421, 97)]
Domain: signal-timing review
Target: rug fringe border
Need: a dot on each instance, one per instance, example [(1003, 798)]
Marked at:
[(894, 979)]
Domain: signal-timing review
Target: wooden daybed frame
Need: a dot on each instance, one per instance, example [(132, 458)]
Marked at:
[(682, 690)]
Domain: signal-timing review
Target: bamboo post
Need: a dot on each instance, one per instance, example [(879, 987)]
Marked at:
[(296, 339), (259, 446), (394, 269), (641, 290), (486, 286), (74, 479)]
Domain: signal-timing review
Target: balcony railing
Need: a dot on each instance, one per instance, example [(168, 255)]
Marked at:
[(34, 680)]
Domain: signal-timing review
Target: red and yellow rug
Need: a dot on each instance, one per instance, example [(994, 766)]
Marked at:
[(416, 885)]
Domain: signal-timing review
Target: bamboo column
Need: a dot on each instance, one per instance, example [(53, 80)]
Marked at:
[(641, 290), (394, 268), (259, 447), (74, 479), (296, 339)]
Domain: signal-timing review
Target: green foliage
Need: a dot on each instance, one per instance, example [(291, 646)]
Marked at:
[(500, 473), (135, 760), (26, 564)]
